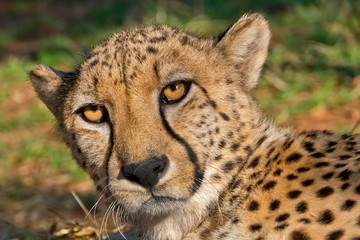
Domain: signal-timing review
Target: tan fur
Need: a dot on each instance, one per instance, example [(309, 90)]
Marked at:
[(231, 174)]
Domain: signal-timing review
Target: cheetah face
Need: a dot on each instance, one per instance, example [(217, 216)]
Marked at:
[(148, 111)]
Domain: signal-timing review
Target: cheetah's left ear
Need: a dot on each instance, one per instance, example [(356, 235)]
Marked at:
[(246, 45)]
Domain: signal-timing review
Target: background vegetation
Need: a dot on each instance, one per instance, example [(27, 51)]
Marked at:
[(311, 80)]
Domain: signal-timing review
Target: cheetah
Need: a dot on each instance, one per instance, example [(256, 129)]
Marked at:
[(165, 125)]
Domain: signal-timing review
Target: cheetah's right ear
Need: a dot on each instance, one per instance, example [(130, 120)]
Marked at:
[(246, 45), (49, 84)]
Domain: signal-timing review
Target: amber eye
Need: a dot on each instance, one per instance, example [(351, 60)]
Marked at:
[(174, 92), (94, 113)]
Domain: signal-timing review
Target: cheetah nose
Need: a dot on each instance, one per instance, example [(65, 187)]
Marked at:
[(146, 173)]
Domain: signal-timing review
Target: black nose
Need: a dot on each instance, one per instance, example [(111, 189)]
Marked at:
[(146, 173)]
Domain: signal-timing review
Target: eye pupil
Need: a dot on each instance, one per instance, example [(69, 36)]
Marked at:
[(173, 87), (94, 108)]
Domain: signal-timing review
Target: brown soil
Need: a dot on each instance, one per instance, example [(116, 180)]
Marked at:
[(345, 117)]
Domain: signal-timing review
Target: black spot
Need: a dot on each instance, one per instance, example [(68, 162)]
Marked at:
[(345, 186), (276, 157), (331, 144), (277, 172), (326, 217), (321, 164), (213, 104), (260, 141), (223, 235), (270, 152), (344, 175), (269, 185), (291, 177), (327, 176), (222, 144), (255, 227), (357, 189), (281, 227), (302, 169), (330, 150), (255, 175), (301, 207), (253, 206), (304, 220), (235, 220), (307, 182), (228, 166), (334, 235), (311, 134), (248, 150), (259, 182), (217, 130), (184, 40), (344, 157), (351, 143), (293, 158), (228, 81), (293, 194), (151, 49), (297, 235), (254, 162), (215, 177), (340, 165), (275, 204), (218, 157), (93, 63), (205, 234), (282, 217), (309, 146), (324, 192), (317, 155), (224, 116), (288, 144), (234, 147), (348, 205), (239, 159), (157, 39), (234, 198)]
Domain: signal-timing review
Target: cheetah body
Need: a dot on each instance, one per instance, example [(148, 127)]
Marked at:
[(227, 173)]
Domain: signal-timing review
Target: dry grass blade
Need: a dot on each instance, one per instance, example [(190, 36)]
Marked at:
[(355, 127), (81, 204)]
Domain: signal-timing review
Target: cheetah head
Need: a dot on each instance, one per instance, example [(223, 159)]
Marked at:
[(161, 120)]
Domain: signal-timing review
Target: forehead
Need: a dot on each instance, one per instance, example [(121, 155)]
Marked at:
[(124, 56)]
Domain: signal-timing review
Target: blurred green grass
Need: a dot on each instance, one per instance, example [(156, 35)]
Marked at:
[(313, 60)]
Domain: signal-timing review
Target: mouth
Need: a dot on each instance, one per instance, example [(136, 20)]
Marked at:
[(161, 205)]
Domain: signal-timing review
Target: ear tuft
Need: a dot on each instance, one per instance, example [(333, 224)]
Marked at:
[(246, 44), (46, 82)]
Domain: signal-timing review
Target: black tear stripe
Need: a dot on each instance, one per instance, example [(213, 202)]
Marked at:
[(109, 152), (199, 174)]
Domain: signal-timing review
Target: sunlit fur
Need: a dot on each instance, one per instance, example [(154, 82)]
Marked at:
[(228, 166)]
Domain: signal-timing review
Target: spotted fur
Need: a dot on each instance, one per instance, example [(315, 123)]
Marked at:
[(225, 172)]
